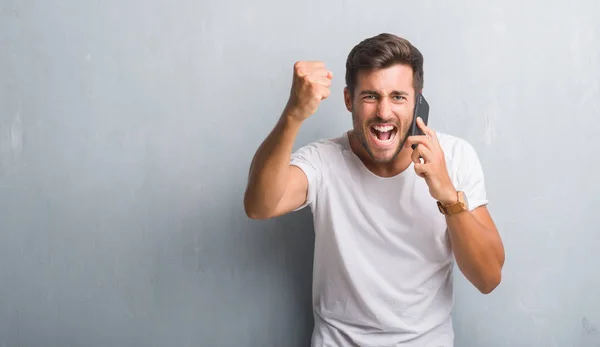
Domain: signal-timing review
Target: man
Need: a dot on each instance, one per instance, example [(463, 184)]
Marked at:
[(389, 220)]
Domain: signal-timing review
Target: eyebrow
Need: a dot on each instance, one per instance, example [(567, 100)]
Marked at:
[(373, 92)]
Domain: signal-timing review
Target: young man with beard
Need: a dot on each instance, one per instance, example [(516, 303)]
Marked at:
[(388, 224)]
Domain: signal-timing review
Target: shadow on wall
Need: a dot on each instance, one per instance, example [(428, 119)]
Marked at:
[(241, 279), (281, 251)]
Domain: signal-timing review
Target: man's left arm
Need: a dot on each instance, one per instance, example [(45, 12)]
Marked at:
[(477, 247), (475, 240)]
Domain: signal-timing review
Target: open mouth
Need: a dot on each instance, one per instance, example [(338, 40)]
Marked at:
[(384, 134)]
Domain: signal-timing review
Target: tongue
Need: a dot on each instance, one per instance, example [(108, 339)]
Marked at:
[(384, 135)]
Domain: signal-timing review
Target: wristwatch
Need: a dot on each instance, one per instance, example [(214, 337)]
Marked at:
[(455, 208)]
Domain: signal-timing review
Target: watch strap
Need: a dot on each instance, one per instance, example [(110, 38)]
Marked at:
[(454, 208)]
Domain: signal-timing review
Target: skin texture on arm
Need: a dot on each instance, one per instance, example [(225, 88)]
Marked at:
[(477, 248), (274, 186)]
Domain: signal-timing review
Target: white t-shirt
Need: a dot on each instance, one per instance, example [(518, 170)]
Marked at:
[(383, 264)]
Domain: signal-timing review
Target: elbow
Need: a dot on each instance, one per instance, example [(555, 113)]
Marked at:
[(492, 277), (256, 215), (252, 211), (492, 282)]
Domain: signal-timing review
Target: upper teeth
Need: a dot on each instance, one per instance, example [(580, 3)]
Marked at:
[(383, 128)]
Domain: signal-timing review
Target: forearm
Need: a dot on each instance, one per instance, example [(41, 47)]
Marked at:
[(270, 166), (478, 250)]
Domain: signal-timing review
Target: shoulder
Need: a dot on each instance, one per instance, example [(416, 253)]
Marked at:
[(452, 144), (315, 159), (323, 150), (464, 168), (462, 159), (457, 149), (333, 144)]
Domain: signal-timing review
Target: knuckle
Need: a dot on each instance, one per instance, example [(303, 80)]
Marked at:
[(298, 68)]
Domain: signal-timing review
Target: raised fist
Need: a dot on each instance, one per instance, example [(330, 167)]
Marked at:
[(310, 85)]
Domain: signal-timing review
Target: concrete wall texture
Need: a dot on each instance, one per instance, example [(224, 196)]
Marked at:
[(127, 129)]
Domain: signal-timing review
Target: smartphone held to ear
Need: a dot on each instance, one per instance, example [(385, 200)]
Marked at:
[(422, 111)]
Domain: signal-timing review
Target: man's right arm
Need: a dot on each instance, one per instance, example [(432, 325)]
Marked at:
[(274, 186)]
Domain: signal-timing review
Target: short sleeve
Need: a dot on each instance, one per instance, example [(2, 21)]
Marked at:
[(308, 159), (470, 176)]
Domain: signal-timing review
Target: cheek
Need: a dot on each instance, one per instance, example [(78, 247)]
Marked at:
[(405, 115), (407, 119), (365, 111)]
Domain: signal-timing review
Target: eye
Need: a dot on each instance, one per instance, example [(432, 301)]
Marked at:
[(399, 98), (369, 97)]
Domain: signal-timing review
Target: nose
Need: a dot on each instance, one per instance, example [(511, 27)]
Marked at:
[(384, 109)]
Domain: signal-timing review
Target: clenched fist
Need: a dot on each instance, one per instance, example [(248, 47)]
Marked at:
[(310, 85)]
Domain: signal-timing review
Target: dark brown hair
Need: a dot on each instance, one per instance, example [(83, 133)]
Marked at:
[(380, 52)]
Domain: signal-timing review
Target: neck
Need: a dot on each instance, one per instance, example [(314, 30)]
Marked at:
[(389, 169)]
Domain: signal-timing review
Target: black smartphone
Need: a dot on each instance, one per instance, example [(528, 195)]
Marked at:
[(421, 110)]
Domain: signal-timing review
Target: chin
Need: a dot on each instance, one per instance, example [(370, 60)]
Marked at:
[(382, 155), (381, 142), (383, 158)]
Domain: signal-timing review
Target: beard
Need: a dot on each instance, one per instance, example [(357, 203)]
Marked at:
[(362, 130)]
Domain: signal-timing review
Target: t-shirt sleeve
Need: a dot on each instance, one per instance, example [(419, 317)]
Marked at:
[(308, 159), (470, 177)]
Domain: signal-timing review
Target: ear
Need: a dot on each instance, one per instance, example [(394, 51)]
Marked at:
[(348, 99)]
